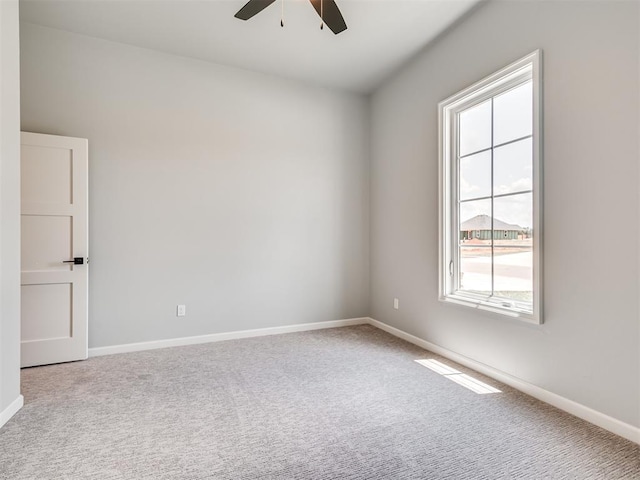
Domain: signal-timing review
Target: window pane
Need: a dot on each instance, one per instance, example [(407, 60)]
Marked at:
[(475, 222), (513, 212), (475, 176), (513, 248), (512, 167), (475, 270), (513, 114), (513, 274), (475, 128)]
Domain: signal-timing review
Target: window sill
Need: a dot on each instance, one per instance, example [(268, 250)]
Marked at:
[(493, 307)]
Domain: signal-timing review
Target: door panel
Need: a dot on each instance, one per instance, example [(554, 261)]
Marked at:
[(54, 230), (52, 300), (46, 175), (45, 239)]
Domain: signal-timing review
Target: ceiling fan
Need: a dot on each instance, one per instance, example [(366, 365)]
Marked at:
[(327, 9)]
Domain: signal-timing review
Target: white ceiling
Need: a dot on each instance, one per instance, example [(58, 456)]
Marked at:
[(381, 34)]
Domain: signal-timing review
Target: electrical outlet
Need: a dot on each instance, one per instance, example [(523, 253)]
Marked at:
[(181, 311), (396, 303)]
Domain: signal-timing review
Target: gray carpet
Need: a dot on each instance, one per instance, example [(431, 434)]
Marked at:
[(346, 403)]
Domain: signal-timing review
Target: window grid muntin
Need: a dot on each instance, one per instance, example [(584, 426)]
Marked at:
[(500, 195), (503, 144)]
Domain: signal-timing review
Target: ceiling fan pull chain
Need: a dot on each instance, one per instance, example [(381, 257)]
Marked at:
[(322, 14), (282, 14)]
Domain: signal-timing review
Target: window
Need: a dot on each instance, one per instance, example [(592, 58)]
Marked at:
[(490, 174)]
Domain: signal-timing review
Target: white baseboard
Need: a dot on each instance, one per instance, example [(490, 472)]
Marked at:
[(219, 337), (11, 410), (592, 416)]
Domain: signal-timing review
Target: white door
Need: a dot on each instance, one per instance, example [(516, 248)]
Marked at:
[(54, 249)]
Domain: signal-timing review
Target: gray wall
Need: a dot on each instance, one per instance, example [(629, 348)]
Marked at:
[(9, 204), (241, 195), (589, 348)]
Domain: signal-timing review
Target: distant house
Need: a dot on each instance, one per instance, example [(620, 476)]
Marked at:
[(480, 227)]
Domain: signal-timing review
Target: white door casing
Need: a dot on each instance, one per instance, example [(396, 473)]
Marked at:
[(54, 217)]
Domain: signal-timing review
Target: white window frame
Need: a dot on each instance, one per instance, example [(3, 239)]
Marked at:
[(528, 67)]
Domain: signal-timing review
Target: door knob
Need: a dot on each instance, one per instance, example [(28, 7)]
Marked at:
[(75, 261)]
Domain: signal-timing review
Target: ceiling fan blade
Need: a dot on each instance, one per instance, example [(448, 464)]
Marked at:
[(252, 7), (331, 15)]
